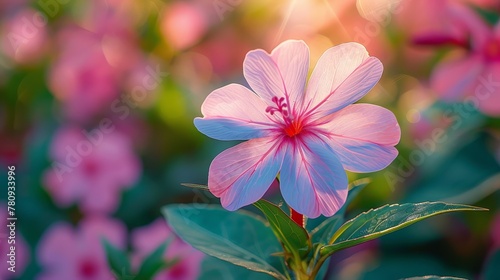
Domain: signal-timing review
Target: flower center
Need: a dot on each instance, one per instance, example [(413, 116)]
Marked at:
[(291, 127), (492, 49), (88, 269), (90, 168), (179, 271)]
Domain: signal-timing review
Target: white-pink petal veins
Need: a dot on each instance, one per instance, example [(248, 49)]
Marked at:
[(241, 175), (362, 156), (365, 122), (292, 59), (234, 112), (263, 75), (343, 75), (363, 136), (281, 74), (313, 181)]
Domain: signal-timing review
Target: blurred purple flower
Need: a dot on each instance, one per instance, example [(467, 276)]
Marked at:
[(68, 253), (91, 168), (309, 135), (7, 240), (146, 239), (475, 72)]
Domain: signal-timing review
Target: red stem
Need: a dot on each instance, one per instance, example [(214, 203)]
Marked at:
[(297, 217)]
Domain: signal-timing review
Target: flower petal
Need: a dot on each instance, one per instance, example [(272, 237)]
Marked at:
[(313, 181), (292, 59), (233, 112), (332, 88), (55, 246), (241, 175), (452, 80), (365, 122), (363, 136), (362, 156), (281, 74)]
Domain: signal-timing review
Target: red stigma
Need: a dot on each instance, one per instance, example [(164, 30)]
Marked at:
[(293, 128)]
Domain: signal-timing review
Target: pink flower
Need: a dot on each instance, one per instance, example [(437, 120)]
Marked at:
[(91, 168), (66, 253), (147, 239), (82, 78), (308, 134), (473, 73), (9, 239)]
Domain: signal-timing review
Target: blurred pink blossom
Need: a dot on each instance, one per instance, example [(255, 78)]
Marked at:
[(474, 72), (113, 22), (225, 64), (109, 16), (7, 240), (24, 36), (91, 168), (68, 253), (183, 24), (146, 239), (81, 77)]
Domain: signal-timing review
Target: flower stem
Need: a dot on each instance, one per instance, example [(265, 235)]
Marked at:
[(297, 217)]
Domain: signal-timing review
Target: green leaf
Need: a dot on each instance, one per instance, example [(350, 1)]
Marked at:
[(386, 219), (195, 186), (214, 268), (154, 263), (241, 238), (294, 237), (117, 260)]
